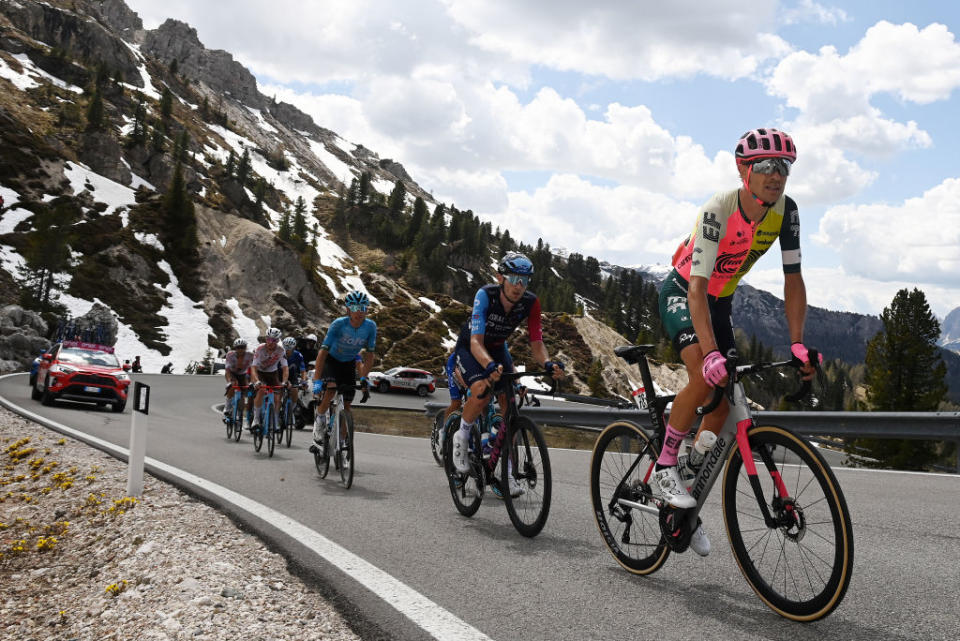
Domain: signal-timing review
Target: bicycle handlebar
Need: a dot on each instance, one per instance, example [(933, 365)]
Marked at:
[(511, 376), (736, 372)]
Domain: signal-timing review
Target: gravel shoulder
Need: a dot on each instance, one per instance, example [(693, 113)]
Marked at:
[(80, 560)]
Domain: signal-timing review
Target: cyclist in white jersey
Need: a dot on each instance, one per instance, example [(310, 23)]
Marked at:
[(236, 370), (269, 368)]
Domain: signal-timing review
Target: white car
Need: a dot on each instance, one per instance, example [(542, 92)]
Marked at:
[(403, 378)]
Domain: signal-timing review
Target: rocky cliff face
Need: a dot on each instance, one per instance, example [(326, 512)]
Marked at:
[(950, 331)]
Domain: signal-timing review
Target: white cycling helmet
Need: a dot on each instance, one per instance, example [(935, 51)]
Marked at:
[(310, 337), (289, 342), (274, 334), (237, 344)]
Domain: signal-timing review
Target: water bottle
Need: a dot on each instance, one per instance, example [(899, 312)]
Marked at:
[(485, 444), (699, 450)]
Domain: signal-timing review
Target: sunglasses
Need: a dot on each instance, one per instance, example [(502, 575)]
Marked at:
[(517, 279), (357, 308), (768, 166)]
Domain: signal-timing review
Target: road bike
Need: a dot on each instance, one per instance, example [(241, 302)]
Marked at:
[(440, 421), (526, 462), (234, 419), (342, 439), (269, 425), (285, 422), (789, 529)]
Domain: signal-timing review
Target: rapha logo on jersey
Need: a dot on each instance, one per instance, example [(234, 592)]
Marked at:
[(686, 338), (675, 304)]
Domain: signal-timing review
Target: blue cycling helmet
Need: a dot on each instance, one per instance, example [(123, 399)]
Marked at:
[(357, 298), (515, 263)]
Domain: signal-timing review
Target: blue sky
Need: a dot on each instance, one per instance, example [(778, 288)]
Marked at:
[(601, 127)]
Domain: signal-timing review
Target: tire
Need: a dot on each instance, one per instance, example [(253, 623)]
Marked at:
[(258, 433), (289, 423), (237, 420), (271, 430), (35, 394), (47, 397), (383, 387), (528, 460), (422, 390), (322, 462), (436, 443), (466, 489), (346, 459), (801, 567), (632, 536), (118, 407)]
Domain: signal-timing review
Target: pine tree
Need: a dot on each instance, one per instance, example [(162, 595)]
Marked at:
[(363, 191), (46, 252), (243, 168), (300, 224), (231, 164), (285, 232), (398, 198), (904, 373), (95, 114), (166, 106), (416, 221), (180, 229)]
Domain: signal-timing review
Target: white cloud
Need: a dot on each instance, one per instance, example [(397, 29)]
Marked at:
[(915, 65), (916, 241), (810, 11), (836, 288), (626, 40), (627, 225)]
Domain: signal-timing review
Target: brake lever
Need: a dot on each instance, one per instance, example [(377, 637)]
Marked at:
[(714, 403)]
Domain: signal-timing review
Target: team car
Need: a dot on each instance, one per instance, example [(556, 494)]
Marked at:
[(403, 378), (79, 371)]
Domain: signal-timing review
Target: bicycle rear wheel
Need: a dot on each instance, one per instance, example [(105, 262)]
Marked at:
[(623, 459), (466, 489), (322, 461), (436, 443), (346, 450), (528, 462), (800, 566)]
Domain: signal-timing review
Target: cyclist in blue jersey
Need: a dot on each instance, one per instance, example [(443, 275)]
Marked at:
[(481, 351), (296, 365), (335, 367)]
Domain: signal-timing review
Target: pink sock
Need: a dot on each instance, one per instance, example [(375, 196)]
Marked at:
[(671, 445)]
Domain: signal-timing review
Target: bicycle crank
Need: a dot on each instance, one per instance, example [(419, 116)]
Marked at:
[(675, 528)]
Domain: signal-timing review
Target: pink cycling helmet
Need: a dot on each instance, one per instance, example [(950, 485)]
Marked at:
[(765, 143)]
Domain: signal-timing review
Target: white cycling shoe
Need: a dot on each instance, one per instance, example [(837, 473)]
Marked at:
[(699, 542), (460, 447), (516, 489), (671, 489)]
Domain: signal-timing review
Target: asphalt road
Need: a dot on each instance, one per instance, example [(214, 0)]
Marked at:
[(563, 584)]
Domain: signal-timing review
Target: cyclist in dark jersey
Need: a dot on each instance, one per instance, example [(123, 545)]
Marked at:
[(481, 347), (732, 231), (297, 367)]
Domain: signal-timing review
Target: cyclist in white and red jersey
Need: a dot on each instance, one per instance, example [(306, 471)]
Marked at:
[(732, 231), (269, 367), (236, 370)]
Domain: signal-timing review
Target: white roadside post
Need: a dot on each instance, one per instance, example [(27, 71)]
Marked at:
[(138, 439)]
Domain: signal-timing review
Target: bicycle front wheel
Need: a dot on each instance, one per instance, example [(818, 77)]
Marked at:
[(258, 433), (800, 563), (322, 461), (346, 449), (271, 430), (526, 481), (620, 470)]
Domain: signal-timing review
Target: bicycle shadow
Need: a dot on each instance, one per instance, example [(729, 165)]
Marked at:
[(742, 610)]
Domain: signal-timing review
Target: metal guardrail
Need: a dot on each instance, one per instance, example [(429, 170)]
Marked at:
[(932, 426)]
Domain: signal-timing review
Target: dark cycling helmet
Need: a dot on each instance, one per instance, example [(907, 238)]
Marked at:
[(357, 298), (237, 344), (765, 143), (515, 263)]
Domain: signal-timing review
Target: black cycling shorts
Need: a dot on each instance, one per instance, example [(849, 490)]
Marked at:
[(343, 374)]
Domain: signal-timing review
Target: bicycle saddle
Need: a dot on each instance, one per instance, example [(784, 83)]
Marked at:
[(632, 353)]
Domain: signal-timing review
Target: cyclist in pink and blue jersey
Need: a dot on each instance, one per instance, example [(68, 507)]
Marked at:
[(732, 231)]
